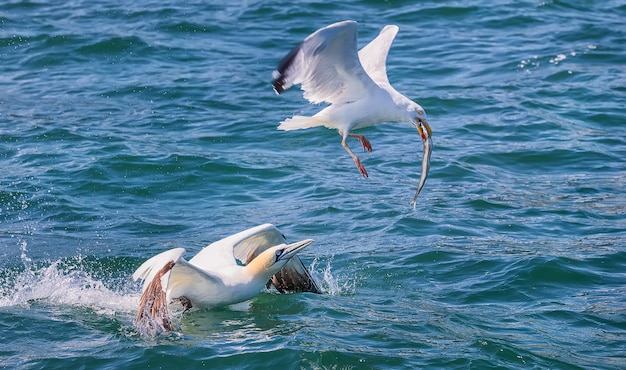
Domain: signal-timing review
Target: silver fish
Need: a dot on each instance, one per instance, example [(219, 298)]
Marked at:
[(426, 133)]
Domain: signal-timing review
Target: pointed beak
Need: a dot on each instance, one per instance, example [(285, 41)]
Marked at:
[(293, 248), (426, 133)]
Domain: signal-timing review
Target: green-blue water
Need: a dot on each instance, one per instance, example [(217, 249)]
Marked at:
[(127, 129)]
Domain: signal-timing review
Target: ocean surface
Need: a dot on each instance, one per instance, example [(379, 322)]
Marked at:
[(128, 128)]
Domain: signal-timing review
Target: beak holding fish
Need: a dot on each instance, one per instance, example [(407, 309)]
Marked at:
[(426, 134)]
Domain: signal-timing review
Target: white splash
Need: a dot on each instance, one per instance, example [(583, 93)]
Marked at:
[(57, 285), (331, 284)]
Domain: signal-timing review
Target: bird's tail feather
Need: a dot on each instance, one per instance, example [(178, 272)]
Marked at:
[(299, 122)]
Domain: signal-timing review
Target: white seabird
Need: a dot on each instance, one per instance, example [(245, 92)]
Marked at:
[(355, 84), (228, 271)]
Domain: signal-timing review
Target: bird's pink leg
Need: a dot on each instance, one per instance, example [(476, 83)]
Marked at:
[(366, 143), (357, 161)]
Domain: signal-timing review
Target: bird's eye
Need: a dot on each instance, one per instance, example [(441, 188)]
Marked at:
[(279, 253), (420, 112)]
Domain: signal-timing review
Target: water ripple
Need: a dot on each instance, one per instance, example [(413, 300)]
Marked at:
[(128, 130)]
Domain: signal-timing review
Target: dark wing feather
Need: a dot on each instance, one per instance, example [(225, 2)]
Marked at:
[(294, 277), (280, 83)]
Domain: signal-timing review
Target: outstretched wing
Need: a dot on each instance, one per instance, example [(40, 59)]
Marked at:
[(373, 56), (149, 269), (327, 65), (233, 250), (259, 239)]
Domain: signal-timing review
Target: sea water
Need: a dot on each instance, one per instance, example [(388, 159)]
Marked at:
[(130, 128)]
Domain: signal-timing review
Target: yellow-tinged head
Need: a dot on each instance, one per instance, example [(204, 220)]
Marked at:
[(270, 261)]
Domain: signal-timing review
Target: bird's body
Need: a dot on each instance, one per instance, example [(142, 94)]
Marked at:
[(354, 83), (231, 270)]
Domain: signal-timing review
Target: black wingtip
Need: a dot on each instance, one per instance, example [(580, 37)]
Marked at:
[(279, 73), (279, 83)]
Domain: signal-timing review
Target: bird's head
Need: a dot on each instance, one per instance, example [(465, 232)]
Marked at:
[(270, 261), (418, 119)]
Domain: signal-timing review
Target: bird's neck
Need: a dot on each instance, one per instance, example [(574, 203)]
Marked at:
[(256, 273), (402, 101)]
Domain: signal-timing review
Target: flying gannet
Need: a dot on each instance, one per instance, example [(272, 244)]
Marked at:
[(355, 84), (228, 271)]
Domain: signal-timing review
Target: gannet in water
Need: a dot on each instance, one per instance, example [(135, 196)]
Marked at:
[(354, 83), (228, 271)]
